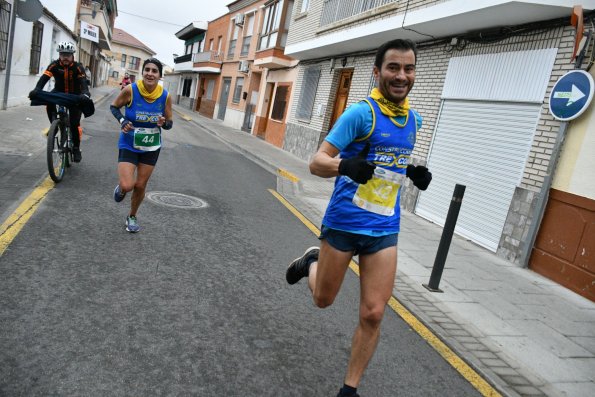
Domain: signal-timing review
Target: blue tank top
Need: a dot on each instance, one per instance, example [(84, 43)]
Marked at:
[(142, 114), (391, 145)]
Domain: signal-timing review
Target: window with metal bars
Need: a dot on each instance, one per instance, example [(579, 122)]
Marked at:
[(36, 39), (337, 10), (308, 94), (5, 8)]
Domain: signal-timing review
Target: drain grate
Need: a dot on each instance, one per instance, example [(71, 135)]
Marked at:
[(176, 200)]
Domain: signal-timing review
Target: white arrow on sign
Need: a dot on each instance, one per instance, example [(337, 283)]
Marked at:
[(574, 95)]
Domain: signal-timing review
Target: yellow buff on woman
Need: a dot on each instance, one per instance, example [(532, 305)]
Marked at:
[(149, 96), (387, 107)]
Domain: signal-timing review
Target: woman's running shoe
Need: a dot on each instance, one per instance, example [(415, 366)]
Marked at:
[(131, 224)]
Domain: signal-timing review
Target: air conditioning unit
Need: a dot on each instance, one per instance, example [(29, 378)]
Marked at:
[(243, 66), (239, 19)]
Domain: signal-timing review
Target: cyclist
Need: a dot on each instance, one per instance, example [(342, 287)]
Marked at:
[(125, 81), (70, 78)]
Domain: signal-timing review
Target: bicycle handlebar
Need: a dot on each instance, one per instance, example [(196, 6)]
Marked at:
[(85, 104)]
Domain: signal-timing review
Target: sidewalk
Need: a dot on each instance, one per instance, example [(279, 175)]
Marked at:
[(525, 334)]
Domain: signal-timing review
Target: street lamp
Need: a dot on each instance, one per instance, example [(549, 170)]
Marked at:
[(95, 4)]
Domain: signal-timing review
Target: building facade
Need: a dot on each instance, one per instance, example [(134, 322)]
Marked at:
[(273, 106), (208, 64), (184, 82), (240, 78), (98, 17)]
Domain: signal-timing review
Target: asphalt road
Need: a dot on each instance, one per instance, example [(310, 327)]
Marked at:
[(195, 304)]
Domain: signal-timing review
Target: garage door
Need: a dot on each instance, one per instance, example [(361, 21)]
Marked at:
[(484, 146), (490, 109)]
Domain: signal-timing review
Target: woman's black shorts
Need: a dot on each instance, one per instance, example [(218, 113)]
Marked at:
[(128, 156)]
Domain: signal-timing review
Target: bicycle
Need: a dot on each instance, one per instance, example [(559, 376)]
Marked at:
[(59, 145)]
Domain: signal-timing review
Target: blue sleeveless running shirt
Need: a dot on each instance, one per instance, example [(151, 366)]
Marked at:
[(391, 144), (142, 114)]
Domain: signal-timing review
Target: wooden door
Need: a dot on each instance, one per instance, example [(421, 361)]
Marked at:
[(342, 94), (564, 250)]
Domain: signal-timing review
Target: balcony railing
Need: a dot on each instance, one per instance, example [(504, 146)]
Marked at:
[(207, 56), (337, 10), (183, 58)]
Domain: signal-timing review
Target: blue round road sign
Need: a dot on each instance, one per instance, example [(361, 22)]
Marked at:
[(571, 95)]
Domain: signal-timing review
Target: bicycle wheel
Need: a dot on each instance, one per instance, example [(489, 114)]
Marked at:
[(55, 154), (67, 144)]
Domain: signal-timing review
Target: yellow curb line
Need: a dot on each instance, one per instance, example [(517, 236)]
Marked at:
[(287, 175), (15, 222), (183, 115), (455, 361)]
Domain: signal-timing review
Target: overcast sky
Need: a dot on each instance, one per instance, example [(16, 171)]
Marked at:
[(153, 22)]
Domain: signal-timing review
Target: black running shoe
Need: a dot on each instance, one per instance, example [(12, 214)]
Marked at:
[(353, 395), (299, 268), (77, 154)]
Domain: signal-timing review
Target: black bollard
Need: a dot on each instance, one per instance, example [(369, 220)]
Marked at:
[(447, 232)]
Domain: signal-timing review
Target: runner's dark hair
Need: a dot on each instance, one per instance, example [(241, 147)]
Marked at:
[(156, 62), (396, 44)]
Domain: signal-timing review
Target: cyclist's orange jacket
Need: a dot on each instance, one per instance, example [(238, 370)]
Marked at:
[(70, 79)]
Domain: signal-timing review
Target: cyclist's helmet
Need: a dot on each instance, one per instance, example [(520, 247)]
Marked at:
[(66, 46)]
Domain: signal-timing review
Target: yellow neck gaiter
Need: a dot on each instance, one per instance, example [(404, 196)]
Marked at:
[(389, 108), (149, 96)]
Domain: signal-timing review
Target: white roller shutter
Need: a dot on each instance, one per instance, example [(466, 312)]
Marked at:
[(490, 110), (484, 146)]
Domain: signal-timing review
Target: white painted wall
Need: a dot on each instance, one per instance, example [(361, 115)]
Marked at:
[(576, 168), (234, 118), (21, 81)]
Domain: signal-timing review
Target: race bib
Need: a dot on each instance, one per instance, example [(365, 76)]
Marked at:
[(147, 139), (379, 194)]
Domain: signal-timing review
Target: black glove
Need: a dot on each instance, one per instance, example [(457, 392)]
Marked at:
[(420, 176), (33, 93), (124, 123), (358, 168)]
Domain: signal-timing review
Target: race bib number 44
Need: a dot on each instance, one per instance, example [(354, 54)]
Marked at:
[(147, 139)]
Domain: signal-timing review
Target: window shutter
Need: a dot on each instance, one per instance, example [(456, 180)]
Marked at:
[(308, 94), (5, 8), (36, 40)]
